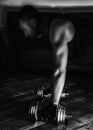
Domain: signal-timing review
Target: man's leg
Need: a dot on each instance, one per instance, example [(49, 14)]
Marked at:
[(61, 33)]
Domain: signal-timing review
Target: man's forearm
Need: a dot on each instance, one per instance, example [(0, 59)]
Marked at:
[(58, 87), (60, 75)]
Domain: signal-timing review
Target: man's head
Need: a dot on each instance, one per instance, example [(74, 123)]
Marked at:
[(28, 21)]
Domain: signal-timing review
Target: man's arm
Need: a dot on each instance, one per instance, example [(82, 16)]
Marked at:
[(60, 72), (61, 33)]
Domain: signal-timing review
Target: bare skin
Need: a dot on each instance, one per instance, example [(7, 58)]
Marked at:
[(28, 27), (61, 33)]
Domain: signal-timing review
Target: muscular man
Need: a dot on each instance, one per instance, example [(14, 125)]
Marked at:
[(61, 32)]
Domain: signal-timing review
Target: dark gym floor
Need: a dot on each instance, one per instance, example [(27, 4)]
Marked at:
[(15, 94)]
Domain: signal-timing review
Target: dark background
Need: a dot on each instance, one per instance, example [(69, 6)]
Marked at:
[(21, 56)]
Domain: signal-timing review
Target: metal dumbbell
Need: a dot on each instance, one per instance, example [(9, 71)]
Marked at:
[(40, 92), (33, 112), (61, 116)]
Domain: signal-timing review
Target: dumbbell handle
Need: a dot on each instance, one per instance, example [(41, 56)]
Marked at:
[(64, 94)]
